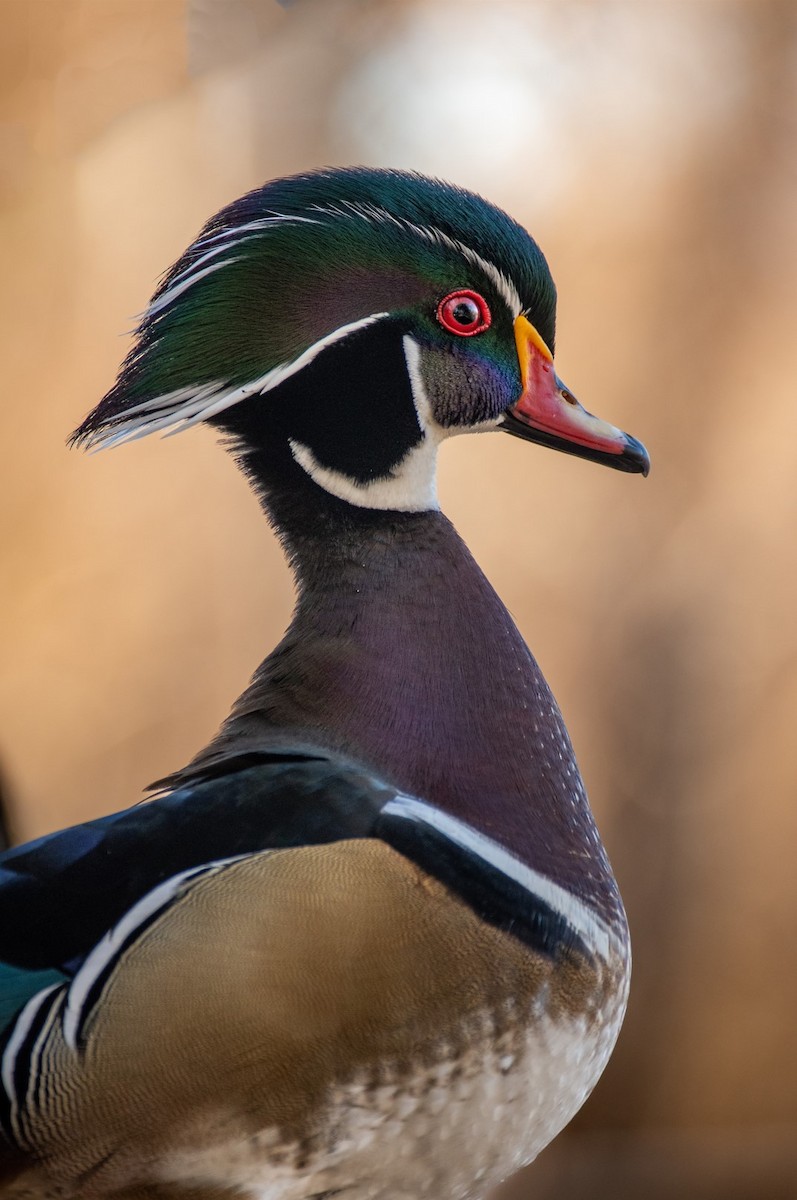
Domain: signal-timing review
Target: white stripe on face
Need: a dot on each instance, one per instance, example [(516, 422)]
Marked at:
[(411, 485), (179, 410)]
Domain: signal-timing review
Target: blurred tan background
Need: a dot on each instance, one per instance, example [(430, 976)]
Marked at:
[(652, 150)]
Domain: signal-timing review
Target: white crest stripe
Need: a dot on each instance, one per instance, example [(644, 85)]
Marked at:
[(188, 406), (431, 233), (260, 225), (172, 293), (203, 258), (168, 401), (583, 919), (348, 208), (277, 375)]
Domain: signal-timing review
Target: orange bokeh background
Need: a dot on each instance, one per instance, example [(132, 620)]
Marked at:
[(651, 150)]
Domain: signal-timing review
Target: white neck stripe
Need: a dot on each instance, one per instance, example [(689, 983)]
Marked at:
[(580, 917), (411, 485)]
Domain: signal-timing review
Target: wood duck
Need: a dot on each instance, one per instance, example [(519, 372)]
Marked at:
[(367, 943)]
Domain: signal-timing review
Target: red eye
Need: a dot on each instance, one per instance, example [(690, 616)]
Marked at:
[(464, 312)]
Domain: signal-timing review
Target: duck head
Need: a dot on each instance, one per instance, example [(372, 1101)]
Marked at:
[(345, 322)]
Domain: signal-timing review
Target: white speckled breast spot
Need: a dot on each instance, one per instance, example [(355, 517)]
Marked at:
[(451, 1131)]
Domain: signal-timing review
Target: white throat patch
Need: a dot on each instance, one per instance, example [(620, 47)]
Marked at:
[(411, 486)]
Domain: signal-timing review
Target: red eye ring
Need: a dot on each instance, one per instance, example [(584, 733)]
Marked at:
[(464, 312)]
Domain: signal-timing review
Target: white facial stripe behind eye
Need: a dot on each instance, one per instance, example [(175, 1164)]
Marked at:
[(179, 410)]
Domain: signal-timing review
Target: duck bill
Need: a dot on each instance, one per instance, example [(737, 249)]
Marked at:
[(548, 413)]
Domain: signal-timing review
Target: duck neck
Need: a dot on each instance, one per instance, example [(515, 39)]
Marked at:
[(401, 655)]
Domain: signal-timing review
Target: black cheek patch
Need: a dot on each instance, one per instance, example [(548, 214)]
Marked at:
[(353, 405)]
